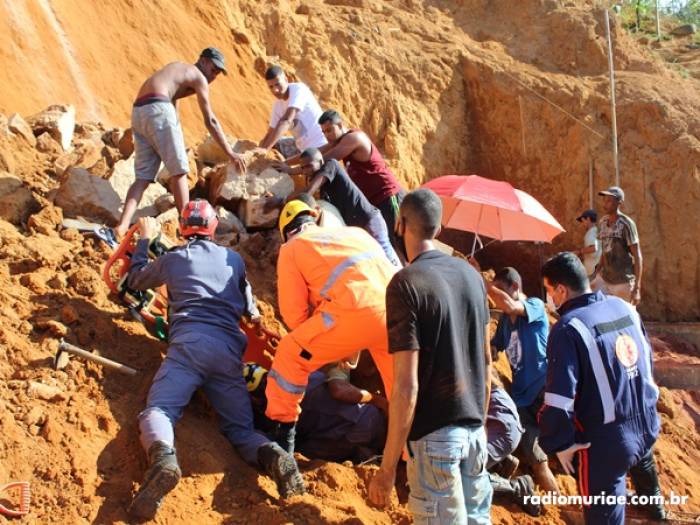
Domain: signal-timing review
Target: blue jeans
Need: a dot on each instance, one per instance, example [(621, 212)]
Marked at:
[(448, 479), (376, 227)]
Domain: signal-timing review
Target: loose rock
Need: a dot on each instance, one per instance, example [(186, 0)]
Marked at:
[(17, 125), (58, 120)]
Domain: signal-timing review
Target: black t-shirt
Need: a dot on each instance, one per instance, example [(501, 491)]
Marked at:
[(344, 194), (437, 306)]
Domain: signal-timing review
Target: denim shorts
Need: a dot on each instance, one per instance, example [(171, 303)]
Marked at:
[(448, 478)]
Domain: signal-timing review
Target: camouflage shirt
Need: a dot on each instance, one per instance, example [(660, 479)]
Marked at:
[(616, 238)]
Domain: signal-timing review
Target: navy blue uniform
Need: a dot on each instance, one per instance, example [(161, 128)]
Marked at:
[(337, 431), (600, 390), (207, 294)]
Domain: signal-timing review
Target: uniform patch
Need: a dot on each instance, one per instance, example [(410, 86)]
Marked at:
[(627, 353)]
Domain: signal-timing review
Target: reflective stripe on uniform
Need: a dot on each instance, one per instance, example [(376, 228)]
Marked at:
[(347, 263), (327, 319), (601, 377), (555, 400), (286, 385)]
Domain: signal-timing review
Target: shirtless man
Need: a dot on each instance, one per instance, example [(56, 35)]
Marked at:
[(157, 132)]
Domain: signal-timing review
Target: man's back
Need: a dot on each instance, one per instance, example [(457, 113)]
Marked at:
[(342, 268), (615, 382), (437, 305), (173, 81), (344, 194), (206, 284)]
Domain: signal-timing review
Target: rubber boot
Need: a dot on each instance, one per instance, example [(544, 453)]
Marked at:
[(284, 434), (161, 477), (282, 468), (645, 481), (524, 486), (516, 490)]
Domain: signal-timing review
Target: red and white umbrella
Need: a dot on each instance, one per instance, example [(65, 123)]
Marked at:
[(493, 209)]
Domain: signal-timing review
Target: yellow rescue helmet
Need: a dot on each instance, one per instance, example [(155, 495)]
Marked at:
[(253, 374), (291, 211)]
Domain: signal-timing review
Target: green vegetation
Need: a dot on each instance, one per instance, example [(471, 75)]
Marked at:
[(639, 16)]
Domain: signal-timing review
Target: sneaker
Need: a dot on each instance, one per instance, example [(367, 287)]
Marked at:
[(161, 477)]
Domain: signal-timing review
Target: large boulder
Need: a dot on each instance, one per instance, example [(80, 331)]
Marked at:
[(58, 120), (86, 154), (121, 179), (209, 152), (17, 125), (82, 193), (251, 189)]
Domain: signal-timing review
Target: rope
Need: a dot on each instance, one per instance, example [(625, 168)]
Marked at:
[(557, 106)]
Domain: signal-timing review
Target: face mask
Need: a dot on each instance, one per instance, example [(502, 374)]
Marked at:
[(550, 302)]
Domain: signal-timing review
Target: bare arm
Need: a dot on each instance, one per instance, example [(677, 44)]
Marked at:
[(265, 142), (201, 88), (296, 159), (402, 409), (504, 301), (489, 366), (316, 183), (346, 392), (285, 123), (638, 271), (345, 147)]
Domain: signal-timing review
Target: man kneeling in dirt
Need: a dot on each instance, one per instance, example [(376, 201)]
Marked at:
[(208, 293)]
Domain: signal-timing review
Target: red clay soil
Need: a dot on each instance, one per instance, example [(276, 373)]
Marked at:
[(73, 433)]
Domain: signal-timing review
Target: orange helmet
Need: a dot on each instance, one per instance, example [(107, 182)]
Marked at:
[(198, 218)]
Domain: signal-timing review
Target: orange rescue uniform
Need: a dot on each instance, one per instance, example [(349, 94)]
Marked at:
[(331, 285)]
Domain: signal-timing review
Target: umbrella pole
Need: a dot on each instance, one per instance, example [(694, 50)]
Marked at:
[(541, 259), (476, 230)]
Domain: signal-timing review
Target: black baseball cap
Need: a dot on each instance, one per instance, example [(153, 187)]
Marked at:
[(614, 191), (216, 56), (588, 214)]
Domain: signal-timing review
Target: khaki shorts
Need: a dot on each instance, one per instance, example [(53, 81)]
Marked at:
[(158, 137), (622, 290)]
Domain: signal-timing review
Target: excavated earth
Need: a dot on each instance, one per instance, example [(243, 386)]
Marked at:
[(442, 87)]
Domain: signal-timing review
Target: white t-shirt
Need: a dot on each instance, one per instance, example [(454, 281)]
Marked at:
[(305, 129), (590, 260)]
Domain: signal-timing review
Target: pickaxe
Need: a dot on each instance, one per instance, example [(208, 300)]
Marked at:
[(61, 359)]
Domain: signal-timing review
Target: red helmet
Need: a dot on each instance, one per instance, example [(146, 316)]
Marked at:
[(198, 218)]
